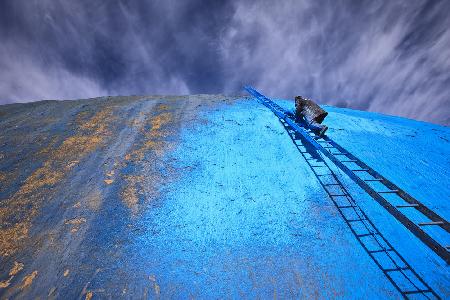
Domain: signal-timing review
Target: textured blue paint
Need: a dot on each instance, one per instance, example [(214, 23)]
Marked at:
[(249, 219), (415, 156)]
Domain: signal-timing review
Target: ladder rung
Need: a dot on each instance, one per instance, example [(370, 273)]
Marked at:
[(431, 223), (416, 292), (407, 205), (396, 269), (378, 251), (317, 166), (361, 170), (348, 161), (339, 153), (367, 234), (356, 220), (338, 195), (347, 206), (329, 184), (388, 192), (376, 179)]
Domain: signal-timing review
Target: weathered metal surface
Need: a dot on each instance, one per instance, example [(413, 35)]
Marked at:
[(172, 197)]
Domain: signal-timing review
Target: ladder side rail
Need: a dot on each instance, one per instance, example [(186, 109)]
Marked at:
[(400, 192), (369, 226)]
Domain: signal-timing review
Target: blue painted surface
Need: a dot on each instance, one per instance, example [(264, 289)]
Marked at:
[(250, 219), (237, 213), (415, 156)]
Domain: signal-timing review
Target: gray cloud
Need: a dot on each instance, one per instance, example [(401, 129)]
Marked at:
[(384, 56), (390, 57)]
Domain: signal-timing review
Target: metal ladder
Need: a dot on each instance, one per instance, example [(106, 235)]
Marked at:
[(385, 256), (364, 176)]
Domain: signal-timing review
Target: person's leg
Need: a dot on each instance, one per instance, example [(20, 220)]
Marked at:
[(313, 125), (317, 128)]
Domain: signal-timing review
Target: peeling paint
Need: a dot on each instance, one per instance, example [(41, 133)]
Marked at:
[(76, 221), (18, 266), (28, 280), (27, 200), (5, 283), (155, 145), (89, 296), (108, 181)]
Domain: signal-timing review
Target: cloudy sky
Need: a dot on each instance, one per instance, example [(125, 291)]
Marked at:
[(385, 56)]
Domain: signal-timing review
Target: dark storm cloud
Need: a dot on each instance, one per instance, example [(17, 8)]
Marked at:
[(386, 56), (72, 49)]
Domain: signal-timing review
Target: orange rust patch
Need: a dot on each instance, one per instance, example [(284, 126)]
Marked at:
[(155, 141), (130, 193), (81, 117), (18, 266), (72, 164), (5, 283), (75, 221), (47, 149), (158, 121), (108, 181), (162, 107), (88, 296), (34, 191), (11, 236), (97, 122), (28, 280), (2, 176), (66, 273)]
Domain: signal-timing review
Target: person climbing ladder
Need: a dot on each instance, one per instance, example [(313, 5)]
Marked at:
[(311, 114)]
